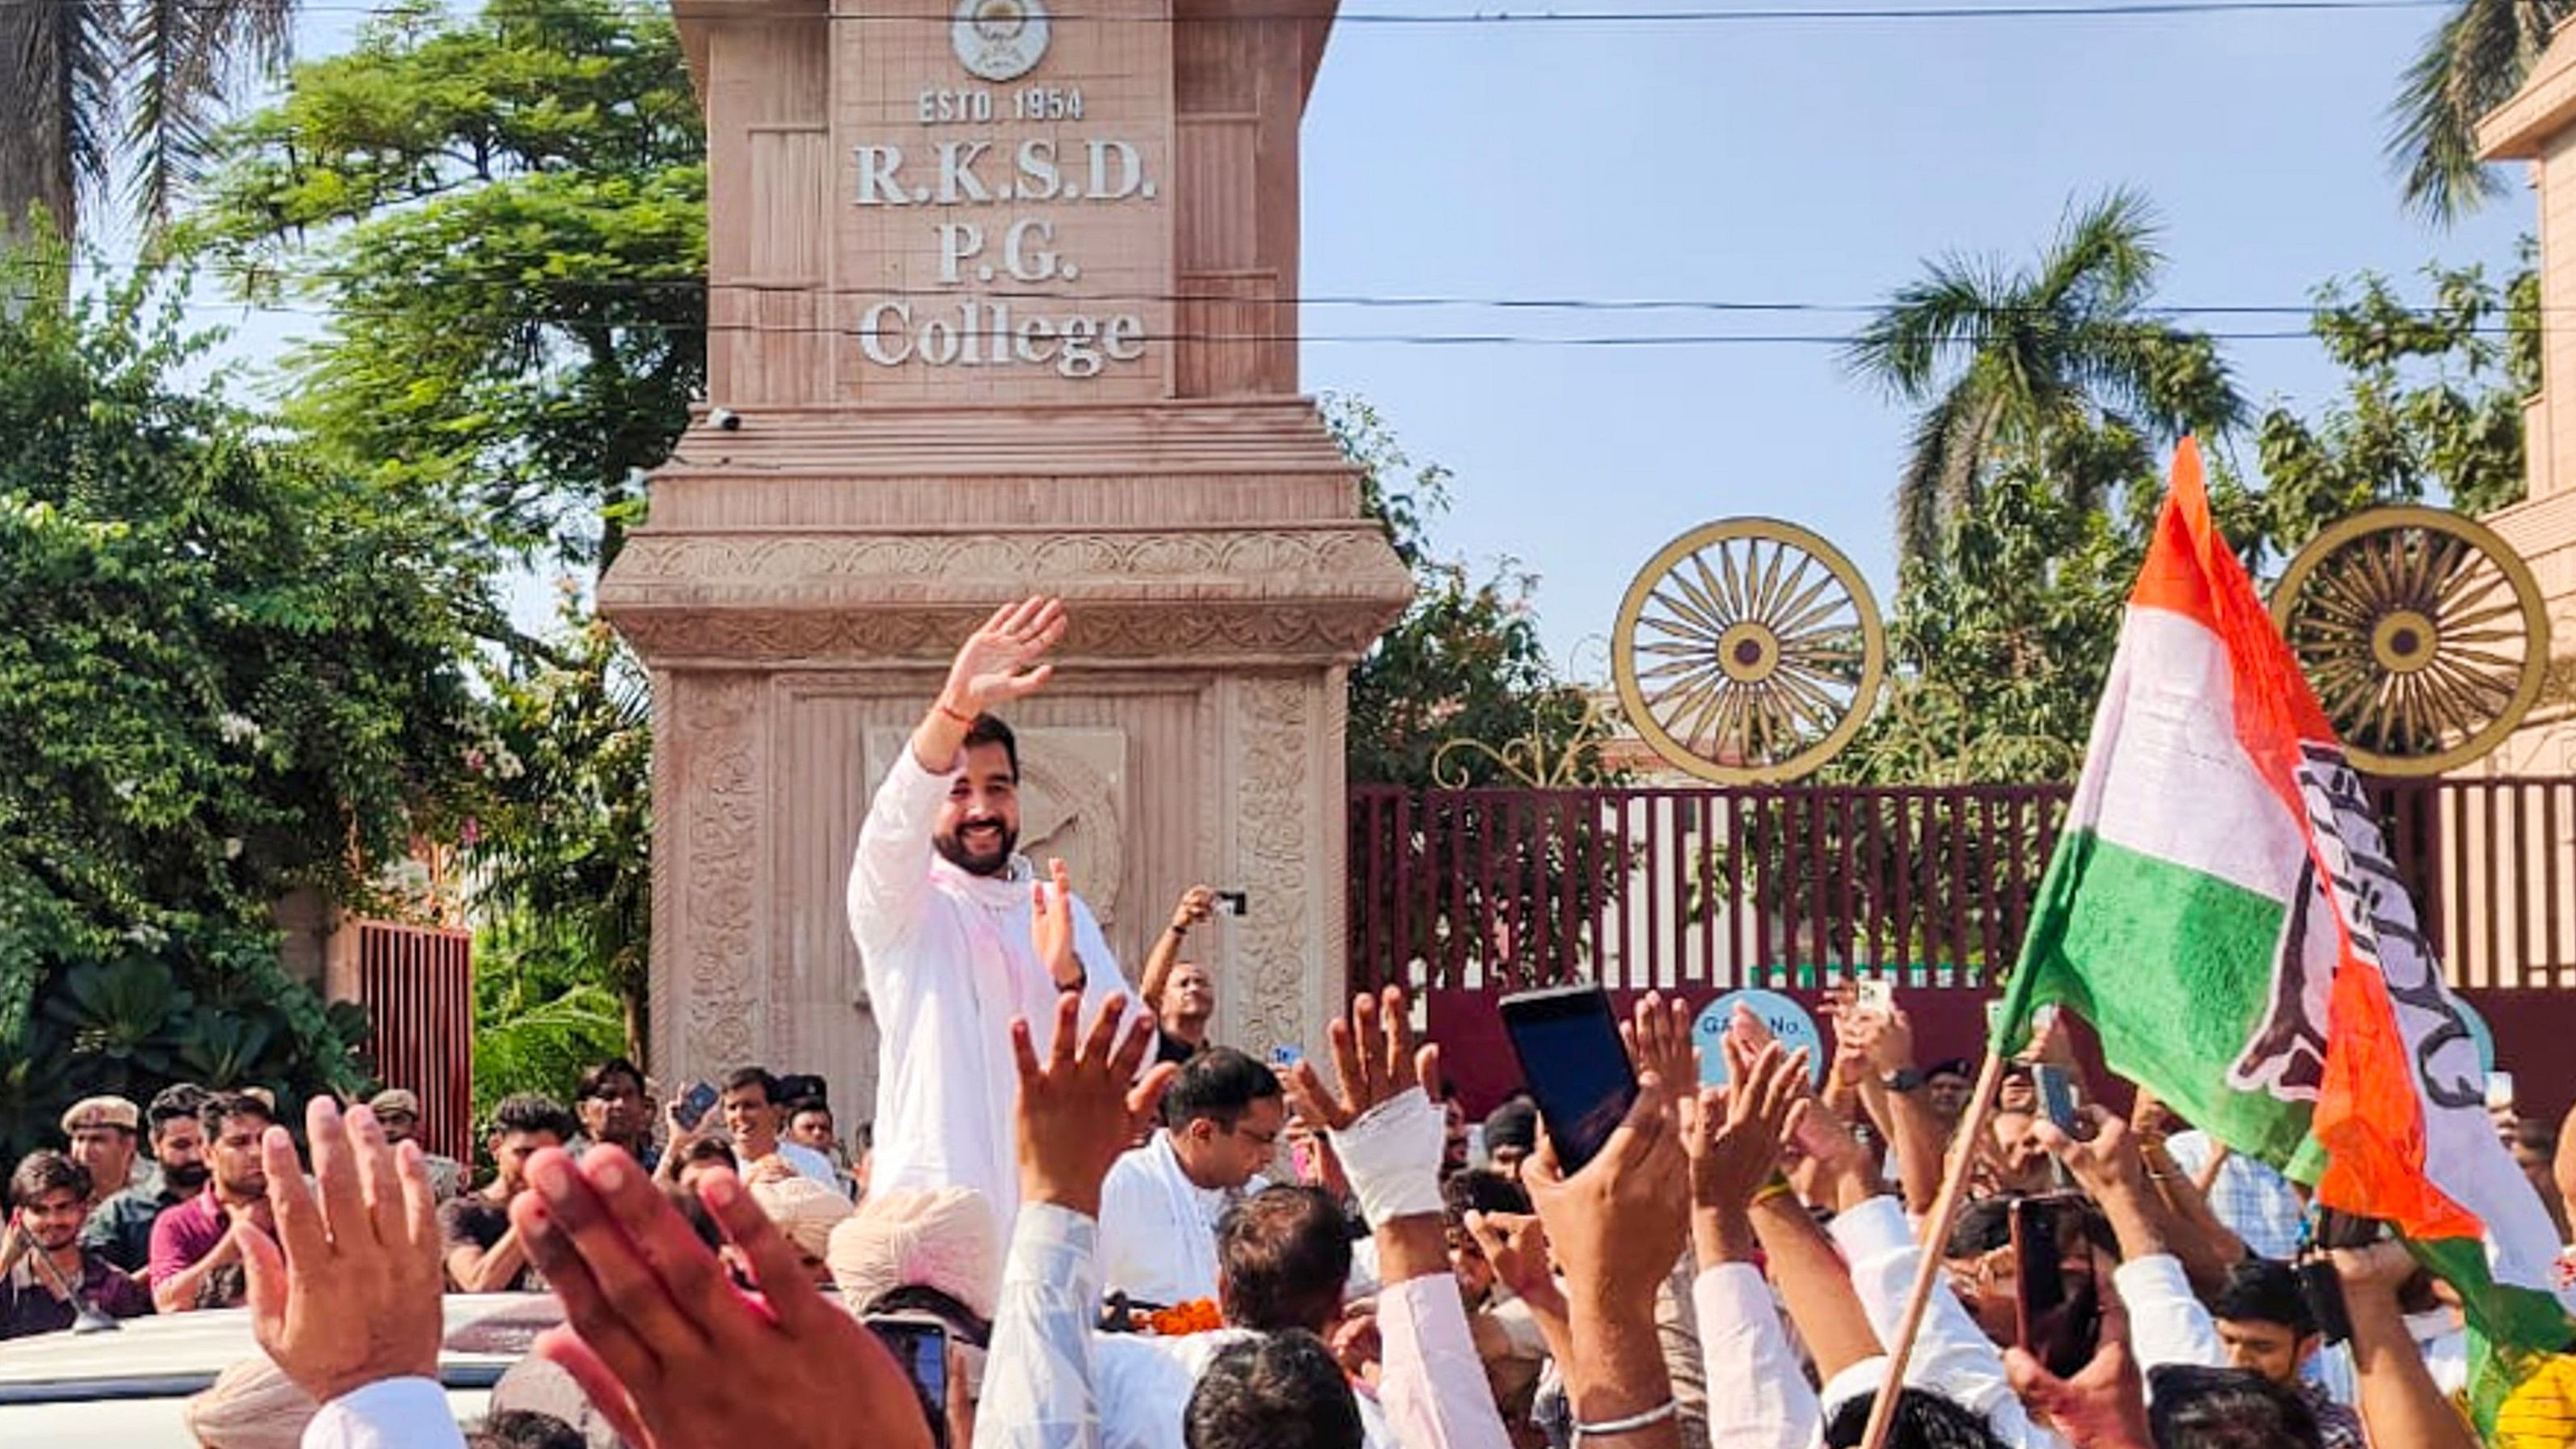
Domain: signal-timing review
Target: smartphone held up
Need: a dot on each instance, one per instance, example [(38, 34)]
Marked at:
[(2057, 1306), (1567, 1039)]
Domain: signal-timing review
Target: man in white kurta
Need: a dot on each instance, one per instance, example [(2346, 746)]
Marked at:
[(1161, 1203), (940, 905)]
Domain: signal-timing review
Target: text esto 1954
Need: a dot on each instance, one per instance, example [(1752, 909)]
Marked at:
[(947, 105)]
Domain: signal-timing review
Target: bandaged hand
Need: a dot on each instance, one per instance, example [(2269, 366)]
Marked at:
[(1382, 1122)]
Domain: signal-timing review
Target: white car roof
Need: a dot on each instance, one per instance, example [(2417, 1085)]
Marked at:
[(174, 1356)]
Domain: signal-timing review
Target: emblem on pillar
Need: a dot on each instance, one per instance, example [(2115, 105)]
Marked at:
[(999, 40)]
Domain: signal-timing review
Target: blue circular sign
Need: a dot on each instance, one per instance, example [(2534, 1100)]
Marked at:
[(1787, 1019)]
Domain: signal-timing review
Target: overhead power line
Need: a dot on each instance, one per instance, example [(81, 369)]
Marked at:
[(1077, 297), (1720, 15), (668, 326)]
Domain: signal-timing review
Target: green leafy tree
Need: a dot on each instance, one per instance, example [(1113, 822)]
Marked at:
[(1464, 666), (1999, 360), (540, 1024), (1465, 661), (2472, 63), (505, 216), (563, 846), (231, 672), (2002, 637), (2432, 403)]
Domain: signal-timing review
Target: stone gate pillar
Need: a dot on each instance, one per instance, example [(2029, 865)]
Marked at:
[(1001, 301)]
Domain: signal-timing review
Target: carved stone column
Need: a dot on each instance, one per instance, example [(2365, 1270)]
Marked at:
[(1001, 302)]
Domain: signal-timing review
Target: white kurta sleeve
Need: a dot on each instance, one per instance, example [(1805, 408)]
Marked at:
[(1039, 1388), (1434, 1391), (1757, 1395), (2167, 1325), (890, 878), (1952, 1355)]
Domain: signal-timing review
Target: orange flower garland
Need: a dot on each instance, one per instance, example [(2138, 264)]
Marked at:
[(1199, 1316)]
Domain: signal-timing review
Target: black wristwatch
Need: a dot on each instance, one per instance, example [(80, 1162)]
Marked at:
[(1904, 1079)]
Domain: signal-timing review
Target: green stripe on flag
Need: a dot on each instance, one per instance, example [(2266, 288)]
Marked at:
[(2512, 1331), (2172, 967)]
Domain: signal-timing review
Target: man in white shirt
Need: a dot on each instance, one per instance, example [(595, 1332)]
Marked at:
[(940, 906), (1160, 1206), (752, 1117)]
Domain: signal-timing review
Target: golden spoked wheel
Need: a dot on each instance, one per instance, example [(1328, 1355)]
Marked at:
[(1748, 651), (2422, 633)]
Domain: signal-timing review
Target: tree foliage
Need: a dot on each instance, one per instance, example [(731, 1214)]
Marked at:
[(1465, 662), (563, 846), (2472, 63), (2432, 403), (2002, 638), (229, 672), (539, 1026), (2009, 364), (87, 83), (505, 216)]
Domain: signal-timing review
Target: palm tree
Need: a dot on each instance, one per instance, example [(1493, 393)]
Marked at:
[(2470, 65), (85, 83), (2001, 360)]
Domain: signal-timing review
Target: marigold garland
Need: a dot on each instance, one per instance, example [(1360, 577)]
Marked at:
[(1181, 1320)]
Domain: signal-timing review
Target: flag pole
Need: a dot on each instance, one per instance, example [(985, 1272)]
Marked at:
[(1936, 1233)]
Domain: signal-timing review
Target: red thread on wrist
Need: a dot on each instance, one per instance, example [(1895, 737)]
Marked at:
[(941, 705)]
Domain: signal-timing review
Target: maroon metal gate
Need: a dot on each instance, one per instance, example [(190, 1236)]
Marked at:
[(417, 983), (1463, 894)]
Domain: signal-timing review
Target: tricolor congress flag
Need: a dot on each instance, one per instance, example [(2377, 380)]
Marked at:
[(2222, 910)]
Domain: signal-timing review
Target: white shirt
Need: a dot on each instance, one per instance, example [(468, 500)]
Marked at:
[(808, 1163), (1757, 1396), (406, 1413), (1158, 1228), (1952, 1355), (1145, 1387), (949, 964)]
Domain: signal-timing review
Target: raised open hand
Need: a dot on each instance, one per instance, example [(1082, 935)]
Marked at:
[(1733, 1134), (667, 1348), (999, 662), (1658, 1035), (347, 1294), (1383, 1125), (1082, 1105), (1051, 925), (1374, 1056)]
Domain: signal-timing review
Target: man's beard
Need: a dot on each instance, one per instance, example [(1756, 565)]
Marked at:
[(187, 1177), (952, 847)]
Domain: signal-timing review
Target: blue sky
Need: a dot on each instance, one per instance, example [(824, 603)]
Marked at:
[(1809, 161)]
